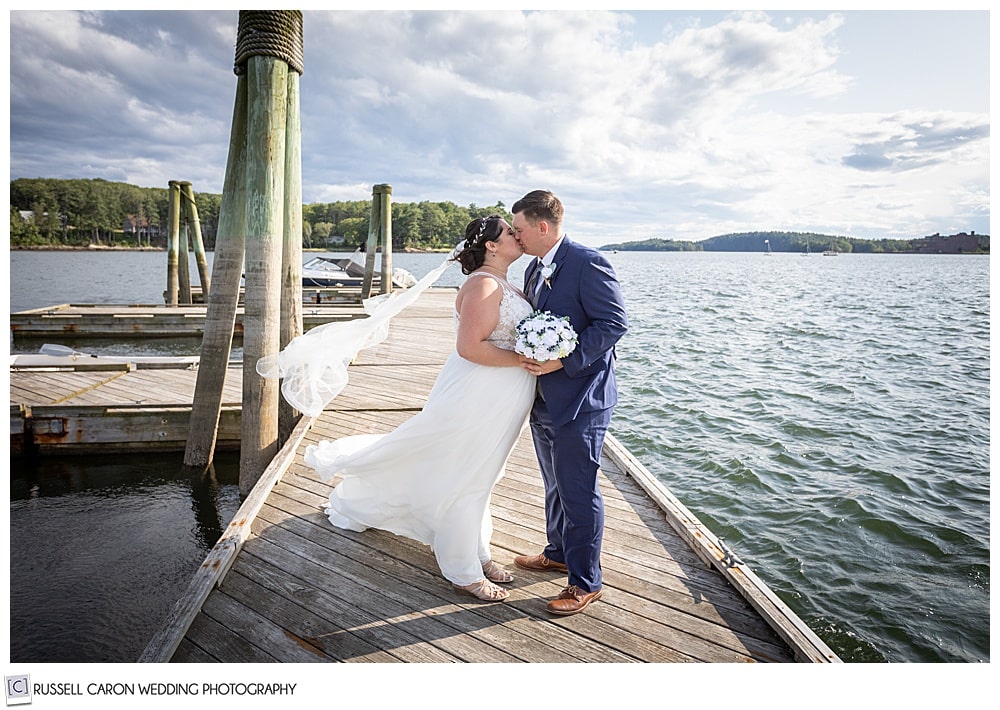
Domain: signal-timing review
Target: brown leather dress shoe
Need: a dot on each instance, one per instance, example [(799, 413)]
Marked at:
[(540, 563), (572, 600)]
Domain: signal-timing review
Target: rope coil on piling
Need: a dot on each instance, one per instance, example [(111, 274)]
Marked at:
[(271, 33)]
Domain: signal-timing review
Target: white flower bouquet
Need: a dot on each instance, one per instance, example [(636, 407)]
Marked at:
[(543, 336)]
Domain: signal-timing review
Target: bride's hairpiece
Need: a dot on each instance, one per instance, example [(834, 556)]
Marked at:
[(473, 241)]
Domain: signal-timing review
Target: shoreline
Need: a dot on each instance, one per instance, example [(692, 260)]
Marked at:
[(98, 247), (67, 247)]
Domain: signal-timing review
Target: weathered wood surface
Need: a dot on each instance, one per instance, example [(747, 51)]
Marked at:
[(114, 406), (284, 585), (60, 410), (146, 321), (155, 387)]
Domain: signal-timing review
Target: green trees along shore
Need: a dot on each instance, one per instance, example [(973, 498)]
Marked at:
[(51, 213), (54, 213)]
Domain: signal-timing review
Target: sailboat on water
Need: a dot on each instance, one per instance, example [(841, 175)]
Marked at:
[(767, 243)]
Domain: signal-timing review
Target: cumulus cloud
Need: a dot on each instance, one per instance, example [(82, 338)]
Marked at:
[(725, 124)]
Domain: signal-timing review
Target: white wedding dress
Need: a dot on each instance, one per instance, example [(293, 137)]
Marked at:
[(431, 478)]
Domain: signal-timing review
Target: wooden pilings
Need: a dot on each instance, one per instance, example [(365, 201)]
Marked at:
[(183, 262), (385, 227), (191, 209), (267, 80), (173, 245), (291, 256), (181, 208), (223, 301), (264, 177), (379, 232)]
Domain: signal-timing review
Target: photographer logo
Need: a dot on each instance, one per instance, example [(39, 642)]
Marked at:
[(18, 690)]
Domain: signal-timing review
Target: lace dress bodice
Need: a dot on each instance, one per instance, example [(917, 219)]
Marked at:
[(513, 308)]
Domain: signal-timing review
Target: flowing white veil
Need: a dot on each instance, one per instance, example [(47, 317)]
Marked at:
[(314, 365)]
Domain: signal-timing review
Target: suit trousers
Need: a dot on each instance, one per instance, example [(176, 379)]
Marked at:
[(569, 457)]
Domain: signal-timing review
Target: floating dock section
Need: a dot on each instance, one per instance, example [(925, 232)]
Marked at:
[(68, 320), (103, 407)]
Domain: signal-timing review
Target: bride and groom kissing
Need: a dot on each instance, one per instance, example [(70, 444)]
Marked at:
[(431, 478)]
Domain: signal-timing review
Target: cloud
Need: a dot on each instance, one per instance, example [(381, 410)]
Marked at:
[(125, 96), (914, 142), (711, 124)]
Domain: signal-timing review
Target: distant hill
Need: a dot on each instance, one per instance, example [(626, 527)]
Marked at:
[(961, 243)]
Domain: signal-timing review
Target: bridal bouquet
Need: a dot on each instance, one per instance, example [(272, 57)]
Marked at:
[(543, 336)]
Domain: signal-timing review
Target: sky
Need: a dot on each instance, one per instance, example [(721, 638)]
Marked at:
[(670, 124)]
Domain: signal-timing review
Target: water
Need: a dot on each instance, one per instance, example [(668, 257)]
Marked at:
[(102, 547), (829, 417)]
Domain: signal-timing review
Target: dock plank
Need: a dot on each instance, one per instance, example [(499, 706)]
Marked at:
[(339, 614), (156, 387), (52, 387), (300, 635), (147, 320), (422, 574), (216, 642), (374, 580)]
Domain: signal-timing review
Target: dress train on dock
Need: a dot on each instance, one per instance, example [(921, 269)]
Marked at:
[(431, 478)]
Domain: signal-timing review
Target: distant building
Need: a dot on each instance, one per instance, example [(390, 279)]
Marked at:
[(140, 227), (29, 216), (960, 243)]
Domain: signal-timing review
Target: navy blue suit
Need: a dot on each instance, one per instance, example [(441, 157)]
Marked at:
[(572, 412)]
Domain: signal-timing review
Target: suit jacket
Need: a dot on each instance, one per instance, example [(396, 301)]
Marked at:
[(585, 288)]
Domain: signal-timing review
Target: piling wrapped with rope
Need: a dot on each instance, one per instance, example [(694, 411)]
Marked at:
[(259, 239), (270, 33)]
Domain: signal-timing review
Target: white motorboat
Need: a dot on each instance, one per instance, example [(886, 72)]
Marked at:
[(325, 272)]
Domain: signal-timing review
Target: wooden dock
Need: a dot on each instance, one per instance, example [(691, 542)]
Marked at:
[(147, 321), (112, 407), (283, 585), (93, 405)]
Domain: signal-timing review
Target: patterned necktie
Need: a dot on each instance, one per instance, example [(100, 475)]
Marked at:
[(532, 289)]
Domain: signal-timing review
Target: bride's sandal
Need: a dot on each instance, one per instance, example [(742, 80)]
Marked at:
[(496, 573), (484, 590)]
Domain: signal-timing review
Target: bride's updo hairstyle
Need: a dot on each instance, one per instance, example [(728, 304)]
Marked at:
[(472, 253)]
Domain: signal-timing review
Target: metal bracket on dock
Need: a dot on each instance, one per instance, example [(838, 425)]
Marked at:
[(730, 558)]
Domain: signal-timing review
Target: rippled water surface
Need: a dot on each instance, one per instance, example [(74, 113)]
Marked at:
[(827, 416), (102, 547)]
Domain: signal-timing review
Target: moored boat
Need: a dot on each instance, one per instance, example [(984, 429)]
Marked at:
[(323, 271)]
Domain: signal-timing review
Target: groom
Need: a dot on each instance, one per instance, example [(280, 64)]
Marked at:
[(575, 395)]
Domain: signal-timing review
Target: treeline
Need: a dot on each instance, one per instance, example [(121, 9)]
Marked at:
[(80, 212), (417, 226), (51, 212), (810, 241)]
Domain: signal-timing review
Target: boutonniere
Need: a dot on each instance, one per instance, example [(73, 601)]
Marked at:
[(547, 272)]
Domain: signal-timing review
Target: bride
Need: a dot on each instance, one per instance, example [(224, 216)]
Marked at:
[(431, 478)]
